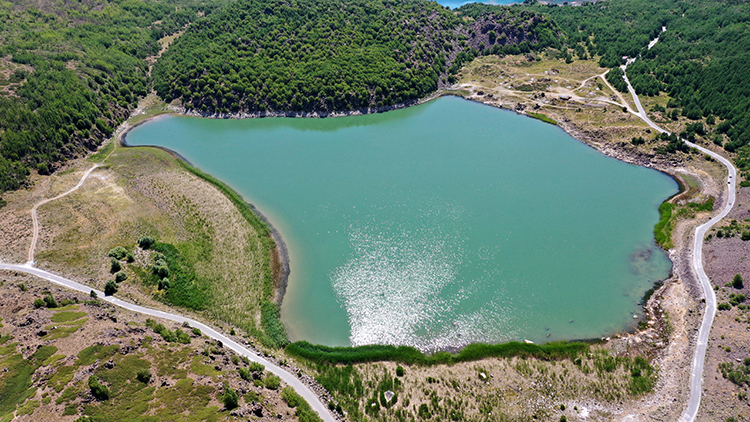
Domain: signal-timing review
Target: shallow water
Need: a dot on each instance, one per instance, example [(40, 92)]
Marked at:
[(439, 225)]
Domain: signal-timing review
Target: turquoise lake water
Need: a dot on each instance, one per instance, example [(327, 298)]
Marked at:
[(439, 225)]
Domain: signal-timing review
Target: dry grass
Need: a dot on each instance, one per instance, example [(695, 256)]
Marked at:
[(503, 389), (144, 191)]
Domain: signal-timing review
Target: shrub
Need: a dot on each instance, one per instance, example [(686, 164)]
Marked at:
[(39, 303), (197, 332), (256, 367), (399, 371), (143, 376), (93, 294), (114, 265), (724, 307), (99, 391), (118, 253), (23, 287), (231, 398), (737, 281), (164, 284), (424, 411), (130, 257), (272, 382), (120, 277), (145, 242), (110, 288), (50, 301), (290, 397), (245, 374)]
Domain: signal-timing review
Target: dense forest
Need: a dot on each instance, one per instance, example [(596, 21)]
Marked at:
[(71, 71), (333, 55)]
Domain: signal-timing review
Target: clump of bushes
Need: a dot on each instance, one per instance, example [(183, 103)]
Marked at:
[(98, 390), (736, 298), (47, 302), (231, 398), (737, 281), (144, 376), (110, 288), (272, 382), (253, 372), (176, 336), (120, 277), (114, 265), (304, 412), (145, 242), (118, 253)]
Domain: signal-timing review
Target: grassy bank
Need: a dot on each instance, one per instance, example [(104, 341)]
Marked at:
[(274, 334), (669, 213), (543, 117)]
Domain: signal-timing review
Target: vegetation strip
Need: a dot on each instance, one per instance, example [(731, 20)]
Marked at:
[(412, 356)]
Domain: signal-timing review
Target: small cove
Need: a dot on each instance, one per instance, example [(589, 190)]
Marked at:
[(441, 224)]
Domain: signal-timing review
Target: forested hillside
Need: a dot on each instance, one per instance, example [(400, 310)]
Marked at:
[(332, 55), (701, 60), (71, 71)]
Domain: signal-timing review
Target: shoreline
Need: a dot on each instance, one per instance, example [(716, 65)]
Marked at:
[(280, 260)]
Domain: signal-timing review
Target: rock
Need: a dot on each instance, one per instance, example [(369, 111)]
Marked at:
[(258, 410), (389, 396), (41, 333)]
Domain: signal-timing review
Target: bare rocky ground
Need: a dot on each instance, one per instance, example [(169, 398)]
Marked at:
[(84, 338)]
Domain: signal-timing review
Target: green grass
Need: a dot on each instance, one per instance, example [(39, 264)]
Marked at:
[(543, 117), (663, 229), (409, 355), (15, 382), (67, 316)]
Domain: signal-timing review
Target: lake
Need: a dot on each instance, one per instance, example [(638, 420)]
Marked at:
[(441, 224)]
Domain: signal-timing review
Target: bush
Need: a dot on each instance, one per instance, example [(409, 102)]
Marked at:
[(145, 242), (399, 371), (256, 367), (724, 307), (99, 391), (110, 288), (290, 397), (272, 382), (245, 374), (424, 411), (120, 277), (737, 281), (50, 301), (143, 376), (39, 303), (129, 257), (231, 398), (164, 284), (745, 235), (197, 332), (118, 253), (115, 265), (93, 294)]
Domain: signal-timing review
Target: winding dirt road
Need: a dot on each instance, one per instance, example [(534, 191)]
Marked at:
[(696, 375)]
